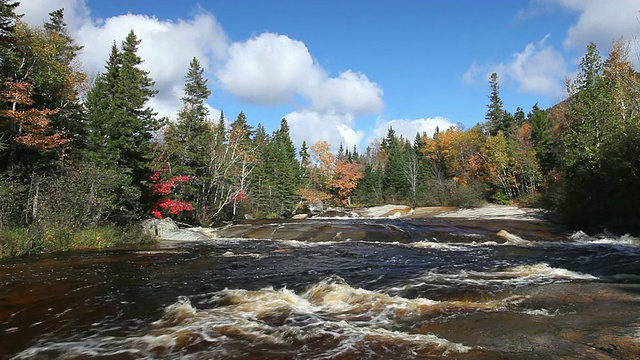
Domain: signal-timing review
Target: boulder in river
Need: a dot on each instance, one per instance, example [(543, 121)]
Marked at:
[(167, 229)]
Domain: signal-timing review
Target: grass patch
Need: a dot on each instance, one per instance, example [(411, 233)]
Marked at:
[(23, 241)]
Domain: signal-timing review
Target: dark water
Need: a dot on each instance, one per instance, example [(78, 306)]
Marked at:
[(343, 289)]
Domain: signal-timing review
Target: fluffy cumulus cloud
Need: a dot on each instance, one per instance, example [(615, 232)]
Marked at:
[(202, 37), (349, 92), (538, 69), (274, 69), (312, 126), (409, 128), (269, 69)]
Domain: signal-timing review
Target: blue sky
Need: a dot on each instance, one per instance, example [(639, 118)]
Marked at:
[(344, 71)]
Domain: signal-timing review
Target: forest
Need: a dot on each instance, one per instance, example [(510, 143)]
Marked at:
[(83, 157)]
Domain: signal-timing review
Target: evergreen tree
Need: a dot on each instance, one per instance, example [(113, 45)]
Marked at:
[(278, 174), (188, 140), (8, 19), (543, 140), (519, 117), (305, 158), (341, 153), (63, 81), (121, 124), (355, 157), (394, 183), (583, 139), (497, 118), (242, 130), (369, 190)]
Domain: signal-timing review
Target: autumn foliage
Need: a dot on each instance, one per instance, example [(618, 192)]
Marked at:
[(330, 177), (165, 188), (31, 126)]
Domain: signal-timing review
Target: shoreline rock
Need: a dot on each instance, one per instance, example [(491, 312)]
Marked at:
[(167, 229)]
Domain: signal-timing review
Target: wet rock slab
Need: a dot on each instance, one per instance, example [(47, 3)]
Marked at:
[(578, 321)]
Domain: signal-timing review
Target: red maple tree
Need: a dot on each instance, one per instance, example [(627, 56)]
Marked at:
[(165, 188)]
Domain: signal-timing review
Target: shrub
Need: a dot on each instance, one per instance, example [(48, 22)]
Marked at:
[(500, 198)]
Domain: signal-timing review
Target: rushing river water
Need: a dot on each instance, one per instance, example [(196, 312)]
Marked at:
[(343, 289)]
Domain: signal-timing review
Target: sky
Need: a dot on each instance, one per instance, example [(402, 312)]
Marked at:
[(345, 71)]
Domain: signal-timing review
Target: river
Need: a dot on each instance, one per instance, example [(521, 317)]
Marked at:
[(333, 289)]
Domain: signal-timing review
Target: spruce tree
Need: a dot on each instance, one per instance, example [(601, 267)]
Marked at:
[(278, 174), (305, 158), (394, 182), (120, 123), (63, 79), (8, 19), (188, 140), (497, 118)]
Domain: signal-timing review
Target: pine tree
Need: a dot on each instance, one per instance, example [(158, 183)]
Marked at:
[(394, 182), (188, 140), (278, 174), (497, 118), (64, 80), (8, 19), (121, 124)]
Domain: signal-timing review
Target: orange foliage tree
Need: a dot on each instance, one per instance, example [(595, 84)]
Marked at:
[(345, 179), (329, 175), (28, 126)]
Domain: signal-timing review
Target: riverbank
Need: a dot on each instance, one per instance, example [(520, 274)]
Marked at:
[(22, 241)]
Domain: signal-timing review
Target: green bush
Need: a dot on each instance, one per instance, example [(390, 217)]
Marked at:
[(500, 198)]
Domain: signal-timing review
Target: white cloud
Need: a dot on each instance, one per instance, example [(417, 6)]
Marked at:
[(36, 12), (312, 126), (274, 69), (601, 22), (166, 47), (269, 69), (409, 128), (470, 75), (351, 92), (538, 69)]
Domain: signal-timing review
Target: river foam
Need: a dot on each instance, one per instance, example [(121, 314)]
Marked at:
[(330, 319)]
